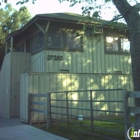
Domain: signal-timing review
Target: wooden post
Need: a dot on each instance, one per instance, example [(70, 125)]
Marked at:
[(11, 44), (46, 34), (45, 31), (126, 113), (29, 109), (67, 108), (24, 45), (48, 110), (91, 111)]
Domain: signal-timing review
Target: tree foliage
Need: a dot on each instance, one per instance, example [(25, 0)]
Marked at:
[(11, 20)]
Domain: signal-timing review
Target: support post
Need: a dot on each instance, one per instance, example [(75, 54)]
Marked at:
[(91, 111), (126, 113), (46, 34), (45, 31), (67, 108), (11, 44), (48, 110), (29, 109), (25, 46)]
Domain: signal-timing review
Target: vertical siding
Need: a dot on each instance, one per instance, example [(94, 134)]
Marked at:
[(20, 62), (13, 65), (44, 82), (24, 97), (37, 62), (5, 88), (92, 59)]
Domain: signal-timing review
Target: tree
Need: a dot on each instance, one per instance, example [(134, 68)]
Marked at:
[(11, 20)]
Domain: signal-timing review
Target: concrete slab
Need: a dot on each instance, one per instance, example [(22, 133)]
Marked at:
[(13, 129)]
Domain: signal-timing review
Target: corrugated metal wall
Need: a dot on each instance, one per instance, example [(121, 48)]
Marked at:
[(44, 82), (13, 65), (38, 62), (92, 59), (5, 78), (20, 62)]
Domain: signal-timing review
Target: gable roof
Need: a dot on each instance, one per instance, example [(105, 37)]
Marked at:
[(67, 17)]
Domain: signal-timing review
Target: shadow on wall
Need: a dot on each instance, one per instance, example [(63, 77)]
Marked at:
[(43, 83)]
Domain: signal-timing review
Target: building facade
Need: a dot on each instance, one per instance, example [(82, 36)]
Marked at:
[(52, 53)]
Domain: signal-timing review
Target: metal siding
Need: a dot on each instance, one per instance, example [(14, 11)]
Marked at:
[(13, 66), (20, 62), (5, 86), (44, 82), (38, 62), (24, 97)]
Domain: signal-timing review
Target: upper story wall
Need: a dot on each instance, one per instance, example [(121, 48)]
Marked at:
[(93, 59), (61, 50)]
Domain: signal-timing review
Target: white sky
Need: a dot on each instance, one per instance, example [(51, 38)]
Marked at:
[(53, 6)]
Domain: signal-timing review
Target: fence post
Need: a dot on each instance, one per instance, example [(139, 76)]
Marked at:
[(67, 108), (29, 108), (48, 110), (126, 112), (91, 111)]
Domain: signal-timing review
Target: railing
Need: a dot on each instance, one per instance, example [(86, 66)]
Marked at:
[(93, 106), (32, 102), (67, 105)]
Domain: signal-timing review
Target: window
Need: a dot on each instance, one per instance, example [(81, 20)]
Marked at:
[(55, 39), (74, 42), (117, 44), (125, 45), (35, 43), (63, 39), (20, 48), (112, 44)]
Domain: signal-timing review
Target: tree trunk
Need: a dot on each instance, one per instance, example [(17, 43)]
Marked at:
[(132, 19)]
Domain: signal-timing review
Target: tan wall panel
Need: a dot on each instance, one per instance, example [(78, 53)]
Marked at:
[(93, 59), (5, 87), (43, 83), (13, 65), (20, 63), (38, 62)]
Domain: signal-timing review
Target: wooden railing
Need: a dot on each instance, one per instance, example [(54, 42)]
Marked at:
[(39, 103)]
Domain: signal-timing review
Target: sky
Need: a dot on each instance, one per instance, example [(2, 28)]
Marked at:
[(54, 6)]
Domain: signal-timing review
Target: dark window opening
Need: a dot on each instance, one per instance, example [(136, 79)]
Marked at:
[(64, 39), (55, 39), (35, 43), (20, 48), (73, 41)]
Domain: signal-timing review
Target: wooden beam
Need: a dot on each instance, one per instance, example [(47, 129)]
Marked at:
[(11, 48), (47, 27), (24, 45), (40, 27), (46, 34)]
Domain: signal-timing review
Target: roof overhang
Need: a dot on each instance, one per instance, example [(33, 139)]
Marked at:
[(63, 17)]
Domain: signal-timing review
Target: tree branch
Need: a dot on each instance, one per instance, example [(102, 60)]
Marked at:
[(130, 13)]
